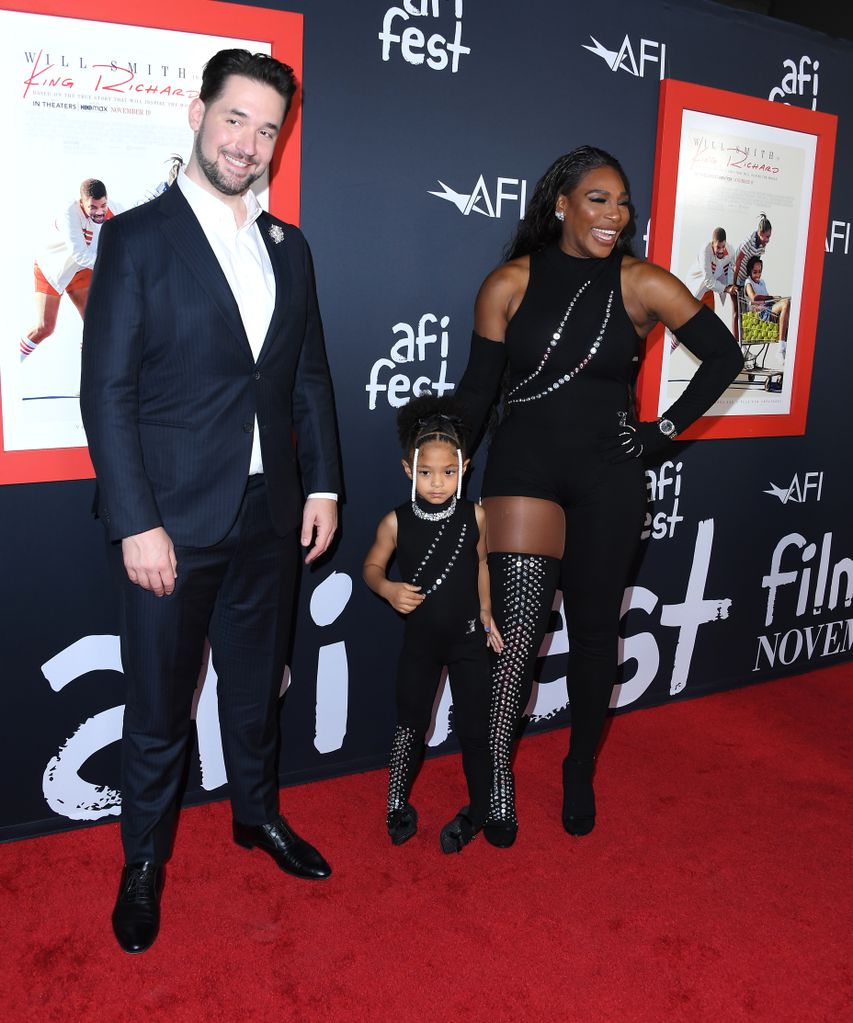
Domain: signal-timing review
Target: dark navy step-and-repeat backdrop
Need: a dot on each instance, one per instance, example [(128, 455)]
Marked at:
[(425, 127)]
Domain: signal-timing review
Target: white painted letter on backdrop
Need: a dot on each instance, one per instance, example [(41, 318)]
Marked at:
[(327, 604), (65, 792), (696, 609)]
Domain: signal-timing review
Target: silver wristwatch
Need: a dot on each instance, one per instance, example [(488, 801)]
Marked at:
[(667, 428)]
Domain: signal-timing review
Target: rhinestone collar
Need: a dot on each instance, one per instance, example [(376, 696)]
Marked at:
[(437, 516)]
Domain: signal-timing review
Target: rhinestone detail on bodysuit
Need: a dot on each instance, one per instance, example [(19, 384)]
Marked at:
[(552, 344)]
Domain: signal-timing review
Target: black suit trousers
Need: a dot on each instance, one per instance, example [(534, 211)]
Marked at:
[(239, 594)]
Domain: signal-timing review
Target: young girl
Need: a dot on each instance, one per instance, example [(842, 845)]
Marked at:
[(440, 542), (769, 307)]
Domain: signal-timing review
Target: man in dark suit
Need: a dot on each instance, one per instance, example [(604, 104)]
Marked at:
[(206, 396)]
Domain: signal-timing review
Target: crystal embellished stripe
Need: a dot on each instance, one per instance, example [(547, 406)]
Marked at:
[(446, 571), (523, 576), (555, 339), (400, 767)]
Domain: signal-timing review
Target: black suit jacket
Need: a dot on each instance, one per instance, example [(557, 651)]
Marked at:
[(170, 389)]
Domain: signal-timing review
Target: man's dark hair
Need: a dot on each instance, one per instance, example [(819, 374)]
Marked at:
[(91, 188), (719, 234), (260, 67)]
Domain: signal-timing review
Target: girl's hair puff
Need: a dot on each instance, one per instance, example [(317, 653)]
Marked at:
[(431, 417)]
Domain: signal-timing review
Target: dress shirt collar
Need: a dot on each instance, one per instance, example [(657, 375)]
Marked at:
[(212, 211)]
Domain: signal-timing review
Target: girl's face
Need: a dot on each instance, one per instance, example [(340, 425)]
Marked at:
[(596, 213), (755, 273), (438, 471)]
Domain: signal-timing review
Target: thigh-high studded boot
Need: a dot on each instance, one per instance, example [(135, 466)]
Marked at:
[(407, 750), (523, 588)]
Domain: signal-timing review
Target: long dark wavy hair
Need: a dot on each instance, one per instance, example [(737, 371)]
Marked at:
[(540, 227)]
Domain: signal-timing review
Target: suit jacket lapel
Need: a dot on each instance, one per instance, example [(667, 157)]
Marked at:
[(281, 268), (184, 232)]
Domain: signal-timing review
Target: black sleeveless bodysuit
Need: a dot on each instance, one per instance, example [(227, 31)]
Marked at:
[(441, 558), (572, 353)]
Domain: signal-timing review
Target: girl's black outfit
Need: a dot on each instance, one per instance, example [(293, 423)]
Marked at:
[(440, 556), (570, 354)]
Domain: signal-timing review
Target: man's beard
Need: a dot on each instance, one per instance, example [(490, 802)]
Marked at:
[(215, 176)]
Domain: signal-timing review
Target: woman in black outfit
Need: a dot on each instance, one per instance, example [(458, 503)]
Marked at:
[(562, 322)]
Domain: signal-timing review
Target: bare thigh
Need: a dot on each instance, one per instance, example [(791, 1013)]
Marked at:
[(47, 309), (79, 297), (525, 525)]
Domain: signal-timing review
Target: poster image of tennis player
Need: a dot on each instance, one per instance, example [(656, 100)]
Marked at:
[(103, 107)]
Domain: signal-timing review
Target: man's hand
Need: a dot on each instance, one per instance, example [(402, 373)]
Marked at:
[(321, 515), (149, 559)]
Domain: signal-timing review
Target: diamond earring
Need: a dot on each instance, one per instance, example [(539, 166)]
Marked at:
[(560, 215)]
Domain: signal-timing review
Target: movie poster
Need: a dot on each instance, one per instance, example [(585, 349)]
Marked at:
[(755, 182), (740, 209), (87, 99)]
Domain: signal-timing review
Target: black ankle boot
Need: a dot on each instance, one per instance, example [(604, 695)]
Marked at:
[(402, 823), (578, 796), (459, 832)]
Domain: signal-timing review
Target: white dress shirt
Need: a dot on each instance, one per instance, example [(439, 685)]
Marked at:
[(244, 259)]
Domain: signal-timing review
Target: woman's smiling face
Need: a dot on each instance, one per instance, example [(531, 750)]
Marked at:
[(596, 212)]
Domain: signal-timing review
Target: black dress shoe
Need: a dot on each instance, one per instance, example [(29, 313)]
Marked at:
[(136, 917), (402, 823), (578, 796), (292, 853), (456, 834), (500, 833)]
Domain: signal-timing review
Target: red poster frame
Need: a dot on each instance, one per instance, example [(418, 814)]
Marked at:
[(675, 98), (282, 30)]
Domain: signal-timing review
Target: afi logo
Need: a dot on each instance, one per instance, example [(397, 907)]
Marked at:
[(415, 347), (419, 47), (623, 59), (794, 80), (798, 492), (839, 231), (479, 200)]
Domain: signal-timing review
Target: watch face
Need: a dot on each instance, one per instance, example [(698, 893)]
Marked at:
[(667, 427)]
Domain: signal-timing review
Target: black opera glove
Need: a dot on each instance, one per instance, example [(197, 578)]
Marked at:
[(633, 439), (478, 388), (707, 337)]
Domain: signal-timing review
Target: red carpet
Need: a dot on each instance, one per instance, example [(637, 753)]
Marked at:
[(716, 886)]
